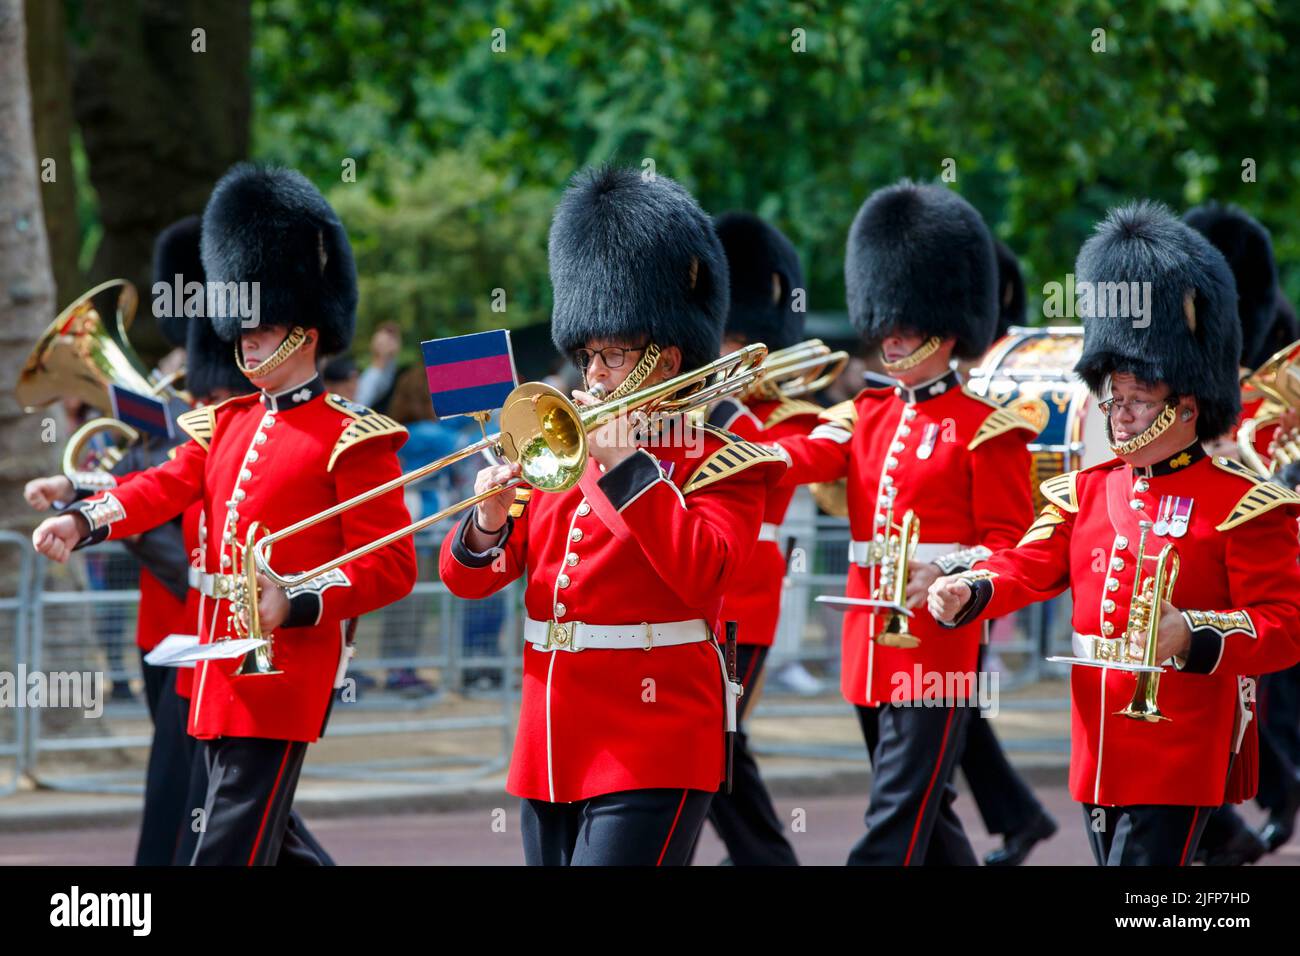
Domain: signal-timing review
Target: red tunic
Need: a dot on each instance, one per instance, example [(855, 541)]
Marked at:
[(1238, 557), (277, 460), (598, 721), (754, 599), (960, 463)]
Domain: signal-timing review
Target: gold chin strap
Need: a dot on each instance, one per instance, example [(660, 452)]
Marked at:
[(297, 335), (916, 356), (1152, 432), (636, 378)]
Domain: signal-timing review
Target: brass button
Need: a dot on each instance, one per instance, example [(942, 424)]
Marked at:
[(570, 559), (1108, 606), (1135, 505), (559, 610), (1117, 564), (1112, 584), (245, 475), (575, 534), (584, 509), (563, 581), (1121, 542), (897, 446), (1141, 486), (1107, 628)]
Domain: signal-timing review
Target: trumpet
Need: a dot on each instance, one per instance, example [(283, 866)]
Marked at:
[(893, 556), (802, 369), (541, 430), (1144, 619), (78, 357), (1278, 380)]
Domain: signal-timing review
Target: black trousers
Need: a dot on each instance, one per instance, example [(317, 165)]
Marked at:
[(745, 818), (1005, 802), (244, 788), (653, 827), (167, 779), (1144, 834), (910, 819), (1279, 737)]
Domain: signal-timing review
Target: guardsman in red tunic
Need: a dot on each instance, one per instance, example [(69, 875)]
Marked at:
[(1267, 767), (922, 282), (282, 454), (625, 698), (1169, 368), (766, 278)]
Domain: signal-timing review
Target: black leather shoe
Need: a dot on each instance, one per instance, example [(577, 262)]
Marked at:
[(1016, 846), (1279, 829), (1244, 846)]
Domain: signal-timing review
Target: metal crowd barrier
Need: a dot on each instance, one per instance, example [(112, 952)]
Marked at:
[(14, 612), (434, 682)]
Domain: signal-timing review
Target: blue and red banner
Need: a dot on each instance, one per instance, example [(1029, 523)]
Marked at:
[(143, 412), (469, 373)]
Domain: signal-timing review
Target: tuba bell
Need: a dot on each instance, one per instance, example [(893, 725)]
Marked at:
[(1278, 380), (77, 356)]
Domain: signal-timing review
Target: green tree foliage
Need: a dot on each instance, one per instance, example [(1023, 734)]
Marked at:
[(794, 110)]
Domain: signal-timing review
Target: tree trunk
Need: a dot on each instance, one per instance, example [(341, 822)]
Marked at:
[(26, 286), (160, 121), (50, 73)]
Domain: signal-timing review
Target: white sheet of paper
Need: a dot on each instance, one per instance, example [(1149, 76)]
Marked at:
[(1108, 665), (221, 650), (838, 603), (166, 651)]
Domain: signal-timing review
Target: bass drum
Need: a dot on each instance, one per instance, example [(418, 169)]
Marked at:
[(1031, 371)]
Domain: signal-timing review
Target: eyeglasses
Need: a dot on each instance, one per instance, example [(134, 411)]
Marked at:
[(1111, 406), (612, 355)]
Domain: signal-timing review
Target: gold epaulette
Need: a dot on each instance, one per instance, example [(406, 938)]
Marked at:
[(199, 424), (733, 457), (517, 506), (845, 414), (1044, 525), (789, 409), (1060, 491), (1262, 497), (365, 424), (999, 421)]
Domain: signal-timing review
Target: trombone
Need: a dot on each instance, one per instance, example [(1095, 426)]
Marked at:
[(802, 369), (541, 430)]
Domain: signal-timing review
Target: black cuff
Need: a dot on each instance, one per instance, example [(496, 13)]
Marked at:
[(981, 592), (304, 609), (473, 559), (95, 537), (1204, 651), (629, 478), (725, 412)]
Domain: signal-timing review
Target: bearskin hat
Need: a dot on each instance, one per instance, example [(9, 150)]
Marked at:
[(765, 271), (1011, 289)]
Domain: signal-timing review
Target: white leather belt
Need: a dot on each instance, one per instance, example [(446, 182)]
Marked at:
[(578, 636), (213, 585), (768, 531), (860, 552)]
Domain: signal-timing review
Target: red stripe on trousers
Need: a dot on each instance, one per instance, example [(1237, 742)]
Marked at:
[(678, 816), (1182, 860), (261, 829), (916, 830)]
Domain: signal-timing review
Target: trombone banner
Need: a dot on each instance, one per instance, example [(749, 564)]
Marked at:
[(469, 373)]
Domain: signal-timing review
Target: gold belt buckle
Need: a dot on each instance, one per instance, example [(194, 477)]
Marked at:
[(557, 634)]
